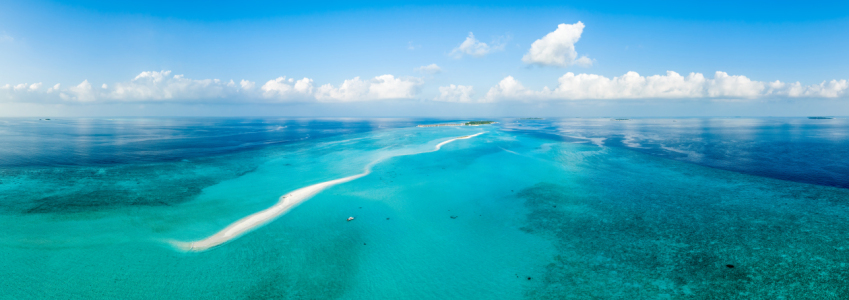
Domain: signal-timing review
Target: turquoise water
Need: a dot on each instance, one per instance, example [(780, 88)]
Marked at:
[(509, 214)]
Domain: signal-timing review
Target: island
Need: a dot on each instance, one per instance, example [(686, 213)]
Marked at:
[(531, 119), (472, 123), (820, 118)]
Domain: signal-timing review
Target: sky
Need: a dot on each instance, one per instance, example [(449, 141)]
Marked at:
[(423, 59)]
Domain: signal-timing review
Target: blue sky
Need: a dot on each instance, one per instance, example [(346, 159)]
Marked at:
[(755, 44)]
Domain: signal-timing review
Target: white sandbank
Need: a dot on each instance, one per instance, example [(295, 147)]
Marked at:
[(286, 203)]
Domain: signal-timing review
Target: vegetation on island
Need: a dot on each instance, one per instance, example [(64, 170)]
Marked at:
[(478, 123), (472, 123), (820, 118)]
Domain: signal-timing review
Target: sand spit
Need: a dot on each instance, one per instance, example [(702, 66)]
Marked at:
[(286, 203)]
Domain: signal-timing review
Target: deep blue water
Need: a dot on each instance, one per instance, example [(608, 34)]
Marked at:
[(725, 208), (796, 149), (58, 142)]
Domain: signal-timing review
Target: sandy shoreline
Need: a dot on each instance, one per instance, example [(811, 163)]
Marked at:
[(286, 203)]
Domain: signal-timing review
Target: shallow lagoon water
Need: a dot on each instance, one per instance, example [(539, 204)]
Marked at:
[(474, 220)]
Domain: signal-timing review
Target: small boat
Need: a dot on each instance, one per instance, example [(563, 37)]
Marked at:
[(350, 219)]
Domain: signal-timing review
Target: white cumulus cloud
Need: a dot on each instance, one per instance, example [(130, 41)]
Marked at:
[(81, 92), (429, 69), (23, 87), (474, 47), (389, 87), (827, 89), (380, 87), (161, 86), (510, 88), (247, 85), (557, 48), (455, 93), (20, 92), (672, 85), (286, 89)]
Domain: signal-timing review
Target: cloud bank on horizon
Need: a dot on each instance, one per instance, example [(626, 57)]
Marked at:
[(160, 86), (672, 85), (555, 49)]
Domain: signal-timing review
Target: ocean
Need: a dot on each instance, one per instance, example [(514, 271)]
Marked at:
[(568, 208)]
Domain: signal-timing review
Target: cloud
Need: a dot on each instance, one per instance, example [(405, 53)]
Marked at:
[(147, 86), (510, 88), (584, 61), (827, 89), (557, 48), (455, 93), (349, 90), (161, 86), (247, 85), (26, 87), (410, 46), (81, 92), (284, 89), (429, 69), (473, 47), (672, 85), (389, 87), (380, 87), (23, 92)]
